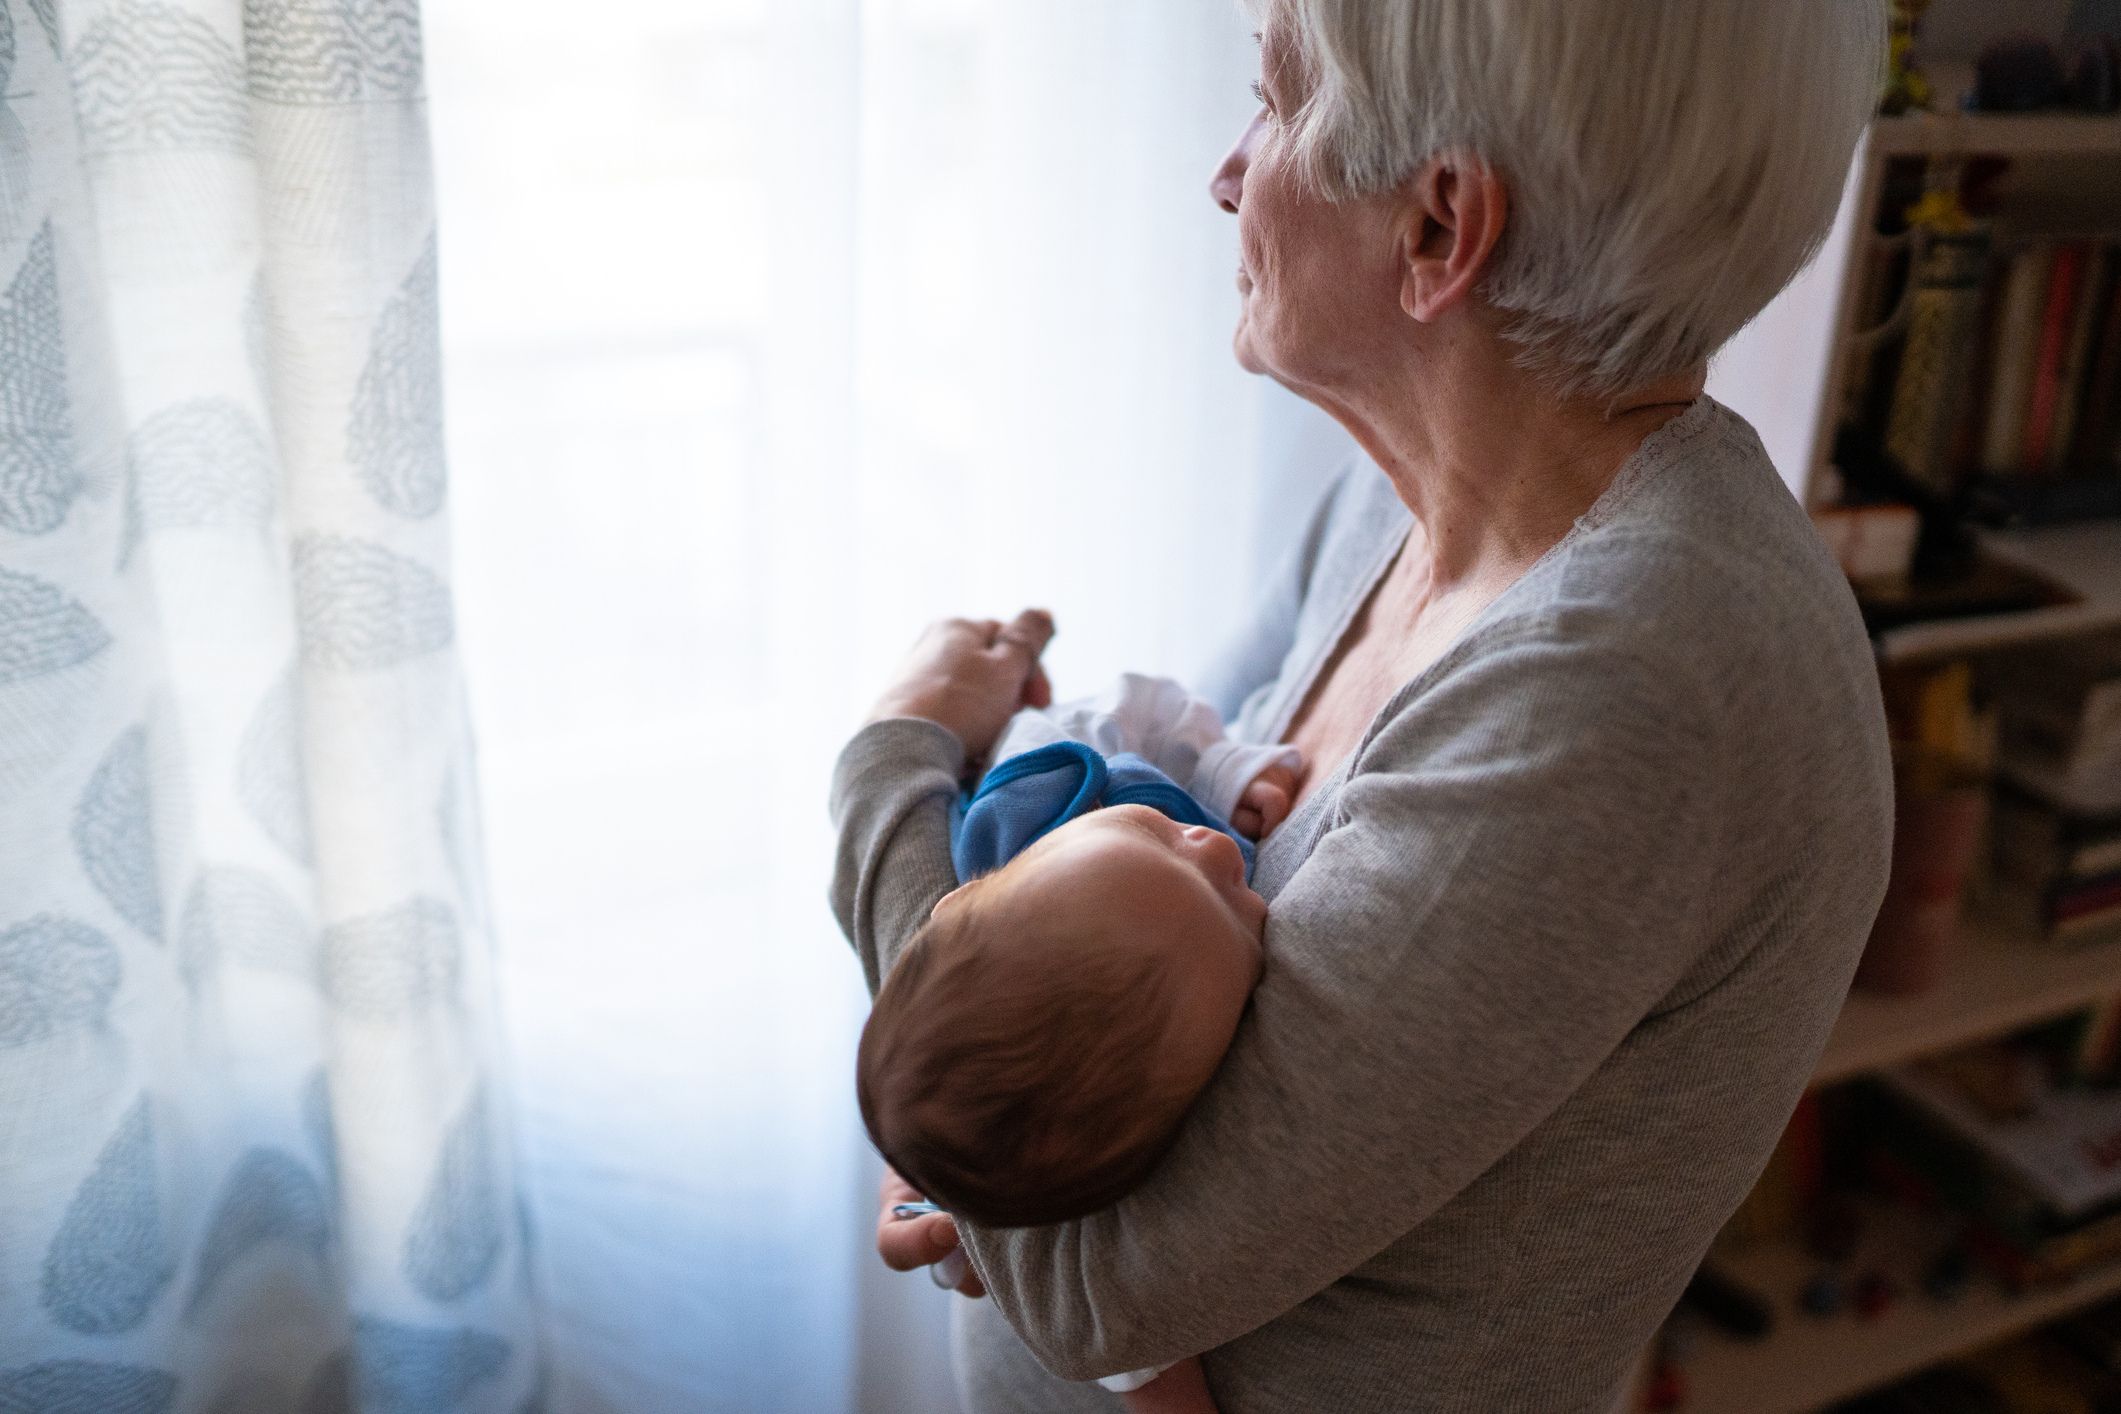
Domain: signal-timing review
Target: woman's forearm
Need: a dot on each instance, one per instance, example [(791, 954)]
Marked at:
[(891, 794)]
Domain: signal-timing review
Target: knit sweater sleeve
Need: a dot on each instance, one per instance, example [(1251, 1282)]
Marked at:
[(891, 793), (1514, 875)]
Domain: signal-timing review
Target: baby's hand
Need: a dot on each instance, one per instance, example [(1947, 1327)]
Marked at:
[(1265, 803)]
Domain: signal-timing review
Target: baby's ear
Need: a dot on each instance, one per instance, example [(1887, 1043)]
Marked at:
[(951, 899)]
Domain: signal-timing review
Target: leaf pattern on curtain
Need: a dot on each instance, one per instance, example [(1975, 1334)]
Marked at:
[(150, 75), (111, 1258), (239, 917), (201, 463), (395, 437), (256, 1164), (42, 630), (114, 833), (269, 780), (391, 966), (86, 1387), (14, 141), (270, 1198), (47, 13), (55, 975), (332, 51), (456, 1234), (362, 606), (37, 478)]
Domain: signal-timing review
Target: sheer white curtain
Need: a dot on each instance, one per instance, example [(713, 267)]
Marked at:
[(253, 1142), (772, 330)]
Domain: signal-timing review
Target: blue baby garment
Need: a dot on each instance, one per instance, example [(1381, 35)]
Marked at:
[(1032, 794)]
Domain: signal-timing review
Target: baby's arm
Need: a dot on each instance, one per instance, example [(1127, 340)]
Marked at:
[(1182, 1389), (1182, 736)]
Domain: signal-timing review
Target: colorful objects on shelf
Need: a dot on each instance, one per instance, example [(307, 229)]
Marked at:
[(1666, 1390), (1875, 1294), (1906, 87), (1825, 1294)]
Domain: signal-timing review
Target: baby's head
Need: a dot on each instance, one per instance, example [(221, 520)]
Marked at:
[(1032, 1052)]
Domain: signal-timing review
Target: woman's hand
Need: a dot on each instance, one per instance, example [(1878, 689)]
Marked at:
[(907, 1243), (972, 675)]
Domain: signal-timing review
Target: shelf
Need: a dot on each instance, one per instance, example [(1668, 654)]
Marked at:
[(2002, 977), (1808, 1361), (2053, 134), (2084, 558)]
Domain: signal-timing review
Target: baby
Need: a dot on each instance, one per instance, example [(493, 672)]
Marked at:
[(1035, 1047)]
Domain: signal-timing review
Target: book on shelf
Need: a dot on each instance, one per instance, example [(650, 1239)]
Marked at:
[(2098, 440), (2074, 391), (2030, 1164), (2087, 910), (2058, 708), (2015, 339), (1936, 360), (2043, 383), (2044, 399), (2038, 843)]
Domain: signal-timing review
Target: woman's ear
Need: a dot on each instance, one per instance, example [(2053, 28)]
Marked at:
[(1455, 212)]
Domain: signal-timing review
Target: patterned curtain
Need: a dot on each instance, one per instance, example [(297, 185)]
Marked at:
[(254, 1143)]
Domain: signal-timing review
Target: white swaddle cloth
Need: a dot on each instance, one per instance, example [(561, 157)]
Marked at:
[(1165, 725)]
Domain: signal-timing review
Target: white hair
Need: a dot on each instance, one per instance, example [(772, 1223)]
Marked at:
[(1671, 164)]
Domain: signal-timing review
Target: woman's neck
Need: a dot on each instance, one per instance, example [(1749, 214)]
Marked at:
[(1495, 468)]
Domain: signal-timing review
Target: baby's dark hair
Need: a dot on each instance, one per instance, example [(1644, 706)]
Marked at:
[(1014, 1079)]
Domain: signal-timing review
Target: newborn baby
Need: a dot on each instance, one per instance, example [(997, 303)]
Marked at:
[(1035, 1047)]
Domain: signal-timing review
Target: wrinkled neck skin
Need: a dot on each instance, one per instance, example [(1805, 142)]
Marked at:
[(1494, 467)]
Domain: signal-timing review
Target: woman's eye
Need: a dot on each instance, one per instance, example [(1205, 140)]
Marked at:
[(1259, 91)]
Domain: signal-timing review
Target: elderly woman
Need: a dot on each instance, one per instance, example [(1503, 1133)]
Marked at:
[(1600, 801)]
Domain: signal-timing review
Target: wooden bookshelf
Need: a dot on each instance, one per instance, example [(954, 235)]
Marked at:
[(2084, 558), (1787, 373), (2003, 976), (2060, 134), (1808, 1361)]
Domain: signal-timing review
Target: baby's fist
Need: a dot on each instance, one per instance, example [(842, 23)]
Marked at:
[(1265, 803)]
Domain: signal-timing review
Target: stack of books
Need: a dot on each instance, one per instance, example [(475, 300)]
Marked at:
[(2009, 376), (2054, 342), (2029, 1158), (2056, 821)]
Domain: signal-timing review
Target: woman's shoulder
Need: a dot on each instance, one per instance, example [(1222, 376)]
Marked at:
[(1699, 552), (1695, 588)]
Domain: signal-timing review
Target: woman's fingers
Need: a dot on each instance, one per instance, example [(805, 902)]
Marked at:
[(1028, 633), (1038, 688), (908, 1243)]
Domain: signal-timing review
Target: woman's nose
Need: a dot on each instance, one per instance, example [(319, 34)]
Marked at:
[(1228, 185)]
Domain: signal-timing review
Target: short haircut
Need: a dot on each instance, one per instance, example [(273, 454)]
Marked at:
[(1014, 1079), (1671, 164)]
